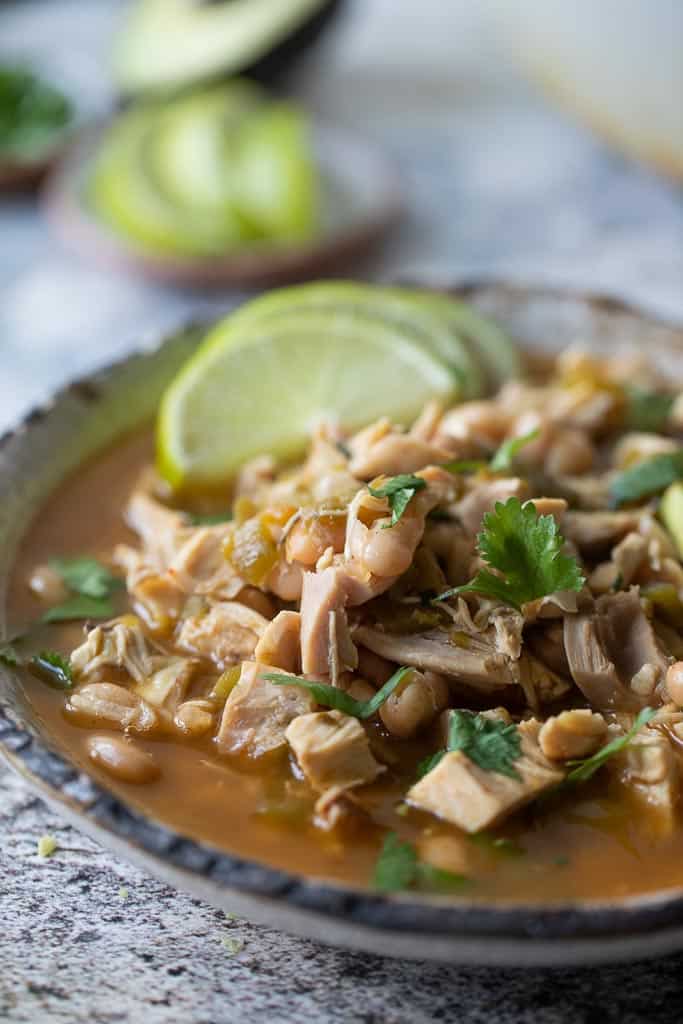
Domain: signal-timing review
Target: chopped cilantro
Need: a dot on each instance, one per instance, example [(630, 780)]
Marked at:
[(53, 669), (46, 846), (501, 461), (86, 576), (587, 767), (333, 697), (398, 868), (526, 551), (33, 114), (79, 607), (399, 491), (91, 583), (504, 458), (646, 478), (489, 742), (647, 410)]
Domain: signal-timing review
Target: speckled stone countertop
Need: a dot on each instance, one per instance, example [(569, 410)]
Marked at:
[(497, 183)]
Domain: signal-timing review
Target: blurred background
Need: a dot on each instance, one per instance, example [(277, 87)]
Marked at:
[(537, 141)]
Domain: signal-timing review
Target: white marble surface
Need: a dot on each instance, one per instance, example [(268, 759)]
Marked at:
[(497, 182)]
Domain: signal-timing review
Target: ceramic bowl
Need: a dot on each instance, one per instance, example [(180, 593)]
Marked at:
[(91, 414)]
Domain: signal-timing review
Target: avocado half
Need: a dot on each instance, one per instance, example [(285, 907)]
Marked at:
[(168, 44)]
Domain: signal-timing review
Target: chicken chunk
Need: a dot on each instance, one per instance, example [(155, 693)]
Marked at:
[(482, 499), (572, 734), (461, 792), (381, 450), (332, 750), (257, 713), (280, 642), (119, 645), (226, 632)]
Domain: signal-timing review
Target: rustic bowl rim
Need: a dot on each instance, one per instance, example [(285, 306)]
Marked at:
[(523, 934)]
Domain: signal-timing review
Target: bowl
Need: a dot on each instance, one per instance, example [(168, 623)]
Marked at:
[(91, 414)]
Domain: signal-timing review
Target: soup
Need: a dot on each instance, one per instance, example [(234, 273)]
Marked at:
[(489, 737)]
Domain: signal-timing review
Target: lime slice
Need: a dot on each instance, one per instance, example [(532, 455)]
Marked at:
[(425, 324), (488, 344), (124, 194), (261, 387), (275, 177)]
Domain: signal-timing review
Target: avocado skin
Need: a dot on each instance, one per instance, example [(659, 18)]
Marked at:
[(274, 66)]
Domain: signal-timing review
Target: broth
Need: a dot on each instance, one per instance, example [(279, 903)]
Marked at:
[(599, 847)]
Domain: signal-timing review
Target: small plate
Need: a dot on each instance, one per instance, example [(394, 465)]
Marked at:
[(361, 202), (92, 414)]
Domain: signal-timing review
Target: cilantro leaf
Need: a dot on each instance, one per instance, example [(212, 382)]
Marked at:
[(398, 490), (53, 669), (489, 742), (647, 410), (506, 454), (398, 868), (396, 865), (333, 697), (33, 114), (646, 478), (587, 767), (86, 576), (79, 607), (526, 549), (501, 460)]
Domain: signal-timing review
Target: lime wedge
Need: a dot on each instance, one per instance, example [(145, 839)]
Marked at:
[(261, 387), (404, 311), (487, 343)]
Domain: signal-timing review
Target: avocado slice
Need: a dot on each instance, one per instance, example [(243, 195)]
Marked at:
[(191, 144), (167, 44), (388, 306), (123, 193), (671, 514), (275, 177)]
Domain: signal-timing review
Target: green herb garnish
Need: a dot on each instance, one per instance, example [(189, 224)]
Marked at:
[(504, 458), (80, 607), (86, 576), (646, 478), (587, 767), (501, 461), (398, 868), (526, 549), (647, 410), (92, 584), (489, 742), (52, 668), (333, 697), (399, 490), (32, 114)]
